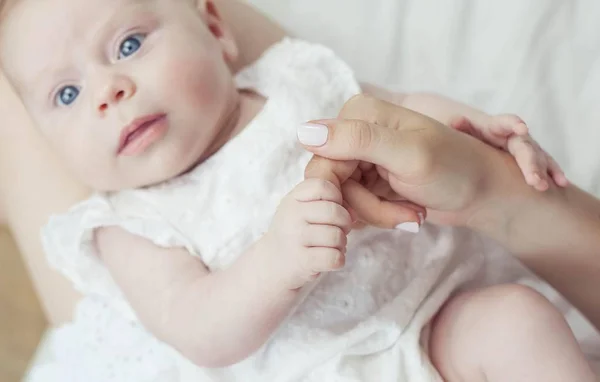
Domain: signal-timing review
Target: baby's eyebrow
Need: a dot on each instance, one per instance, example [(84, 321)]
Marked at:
[(51, 69), (47, 72), (40, 76), (121, 15)]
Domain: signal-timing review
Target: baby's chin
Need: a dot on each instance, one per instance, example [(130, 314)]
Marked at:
[(140, 174)]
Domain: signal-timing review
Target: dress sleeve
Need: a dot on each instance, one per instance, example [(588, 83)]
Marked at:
[(68, 241)]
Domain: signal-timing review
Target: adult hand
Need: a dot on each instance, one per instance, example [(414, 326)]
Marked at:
[(461, 181), (415, 157)]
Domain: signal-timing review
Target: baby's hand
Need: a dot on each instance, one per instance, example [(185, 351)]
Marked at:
[(308, 233), (510, 133)]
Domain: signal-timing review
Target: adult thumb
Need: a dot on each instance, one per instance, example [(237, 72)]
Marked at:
[(351, 139)]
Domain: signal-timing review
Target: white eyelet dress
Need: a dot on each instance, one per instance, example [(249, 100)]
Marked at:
[(367, 322)]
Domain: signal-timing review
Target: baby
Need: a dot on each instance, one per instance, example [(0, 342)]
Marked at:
[(203, 231)]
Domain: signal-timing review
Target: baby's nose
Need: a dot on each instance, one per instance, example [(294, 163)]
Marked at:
[(119, 89)]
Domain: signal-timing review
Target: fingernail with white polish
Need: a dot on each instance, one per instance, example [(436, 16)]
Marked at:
[(312, 134), (412, 227), (421, 218)]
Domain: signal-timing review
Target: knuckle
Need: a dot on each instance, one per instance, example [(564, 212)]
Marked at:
[(516, 119), (528, 154), (338, 259), (422, 157), (347, 218), (510, 118), (361, 134), (340, 237), (342, 215), (304, 233), (330, 210), (332, 234), (325, 259), (330, 258), (362, 106), (522, 144), (296, 191), (325, 186), (323, 189)]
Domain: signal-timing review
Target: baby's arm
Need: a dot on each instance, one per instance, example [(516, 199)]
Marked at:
[(216, 319), (211, 318), (507, 132)]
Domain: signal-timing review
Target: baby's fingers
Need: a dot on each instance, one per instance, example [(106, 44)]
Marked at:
[(317, 189), (324, 236), (327, 213), (463, 124), (556, 172), (507, 124), (531, 161), (319, 259)]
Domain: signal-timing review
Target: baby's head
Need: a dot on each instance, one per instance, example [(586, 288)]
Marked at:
[(130, 92)]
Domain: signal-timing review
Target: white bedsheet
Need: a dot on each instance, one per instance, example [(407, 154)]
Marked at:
[(537, 58)]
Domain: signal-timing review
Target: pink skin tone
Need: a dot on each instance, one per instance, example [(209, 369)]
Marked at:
[(510, 133), (123, 61)]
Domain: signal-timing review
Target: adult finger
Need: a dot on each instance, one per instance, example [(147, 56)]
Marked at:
[(381, 213)]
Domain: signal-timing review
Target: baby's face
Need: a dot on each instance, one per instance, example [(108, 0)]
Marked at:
[(131, 92)]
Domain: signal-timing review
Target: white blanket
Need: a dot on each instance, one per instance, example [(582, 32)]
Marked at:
[(537, 58)]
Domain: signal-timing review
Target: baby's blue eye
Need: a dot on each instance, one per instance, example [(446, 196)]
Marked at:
[(130, 45), (67, 95)]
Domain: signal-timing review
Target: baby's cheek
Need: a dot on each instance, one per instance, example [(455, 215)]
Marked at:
[(194, 82), (79, 155), (83, 145)]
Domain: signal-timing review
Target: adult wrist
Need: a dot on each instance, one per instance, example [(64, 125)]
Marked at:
[(531, 223), (503, 202)]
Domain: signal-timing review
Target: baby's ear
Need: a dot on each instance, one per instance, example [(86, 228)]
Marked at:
[(219, 29)]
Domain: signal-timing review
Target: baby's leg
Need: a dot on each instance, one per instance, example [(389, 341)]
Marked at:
[(505, 333)]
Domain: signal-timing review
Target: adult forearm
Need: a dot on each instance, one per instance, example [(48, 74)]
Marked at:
[(555, 233), (560, 241)]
